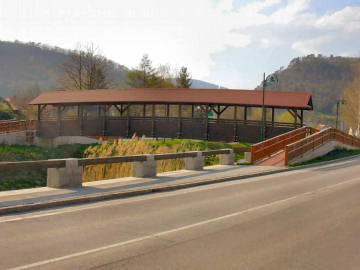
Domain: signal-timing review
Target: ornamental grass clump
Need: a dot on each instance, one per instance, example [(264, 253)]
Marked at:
[(134, 146)]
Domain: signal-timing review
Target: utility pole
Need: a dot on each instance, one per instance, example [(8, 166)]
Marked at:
[(262, 130), (269, 79)]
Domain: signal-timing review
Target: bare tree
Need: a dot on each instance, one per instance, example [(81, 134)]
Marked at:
[(85, 69), (351, 109)]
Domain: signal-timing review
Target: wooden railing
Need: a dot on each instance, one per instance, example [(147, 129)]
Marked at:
[(299, 148), (60, 163), (266, 148), (17, 125)]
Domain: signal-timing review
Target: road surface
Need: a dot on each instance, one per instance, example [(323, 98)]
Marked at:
[(306, 219)]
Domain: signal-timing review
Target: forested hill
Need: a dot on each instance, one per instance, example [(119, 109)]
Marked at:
[(34, 66), (31, 66), (324, 77)]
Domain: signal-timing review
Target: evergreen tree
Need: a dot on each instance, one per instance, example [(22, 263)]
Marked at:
[(183, 80), (145, 76)]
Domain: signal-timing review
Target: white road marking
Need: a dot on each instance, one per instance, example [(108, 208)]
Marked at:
[(6, 219), (119, 244)]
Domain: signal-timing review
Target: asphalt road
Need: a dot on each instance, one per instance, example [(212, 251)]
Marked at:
[(307, 219)]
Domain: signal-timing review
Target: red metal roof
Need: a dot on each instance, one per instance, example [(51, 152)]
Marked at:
[(251, 98)]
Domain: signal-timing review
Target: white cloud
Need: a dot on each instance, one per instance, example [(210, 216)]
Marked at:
[(309, 46), (183, 32), (347, 19), (290, 12)]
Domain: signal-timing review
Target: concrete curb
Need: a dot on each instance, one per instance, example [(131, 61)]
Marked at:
[(144, 191)]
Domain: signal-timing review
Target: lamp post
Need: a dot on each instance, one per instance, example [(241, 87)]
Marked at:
[(268, 80), (341, 101)]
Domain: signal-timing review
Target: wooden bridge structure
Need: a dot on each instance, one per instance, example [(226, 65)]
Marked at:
[(206, 114)]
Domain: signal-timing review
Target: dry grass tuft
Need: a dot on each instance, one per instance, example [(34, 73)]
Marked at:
[(134, 146)]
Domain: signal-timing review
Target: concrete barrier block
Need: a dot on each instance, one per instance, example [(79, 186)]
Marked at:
[(247, 156), (70, 176), (144, 168), (195, 163), (227, 159)]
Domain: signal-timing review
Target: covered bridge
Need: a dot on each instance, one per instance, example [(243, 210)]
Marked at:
[(207, 114)]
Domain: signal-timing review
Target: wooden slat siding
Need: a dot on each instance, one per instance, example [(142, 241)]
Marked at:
[(273, 145), (310, 143), (40, 164), (217, 130)]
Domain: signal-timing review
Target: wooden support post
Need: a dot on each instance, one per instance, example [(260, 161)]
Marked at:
[(121, 110), (192, 111), (99, 111), (235, 124), (39, 113), (273, 116), (245, 115), (265, 109), (104, 127), (59, 120), (302, 117), (167, 110), (81, 119), (179, 133), (153, 132), (218, 113), (295, 117), (128, 120), (144, 110), (206, 137)]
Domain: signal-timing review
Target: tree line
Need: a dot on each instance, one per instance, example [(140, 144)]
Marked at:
[(88, 69)]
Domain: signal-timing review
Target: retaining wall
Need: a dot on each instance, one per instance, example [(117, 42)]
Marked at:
[(322, 151)]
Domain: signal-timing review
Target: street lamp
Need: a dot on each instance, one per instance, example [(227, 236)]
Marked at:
[(341, 101), (272, 78)]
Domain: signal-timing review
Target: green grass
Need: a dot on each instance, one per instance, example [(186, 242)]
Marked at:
[(32, 178), (205, 145), (335, 154)]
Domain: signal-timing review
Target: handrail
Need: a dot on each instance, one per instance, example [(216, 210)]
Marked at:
[(264, 149), (60, 163), (310, 143), (7, 126)]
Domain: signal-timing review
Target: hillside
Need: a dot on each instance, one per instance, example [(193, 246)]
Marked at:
[(324, 77), (34, 66), (202, 84)]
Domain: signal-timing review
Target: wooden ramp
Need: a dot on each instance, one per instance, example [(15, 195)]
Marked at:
[(277, 159)]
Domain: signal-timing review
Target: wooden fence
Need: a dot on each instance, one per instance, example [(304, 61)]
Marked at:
[(310, 143), (266, 148), (8, 126)]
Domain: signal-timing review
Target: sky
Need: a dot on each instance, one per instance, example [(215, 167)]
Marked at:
[(226, 42)]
